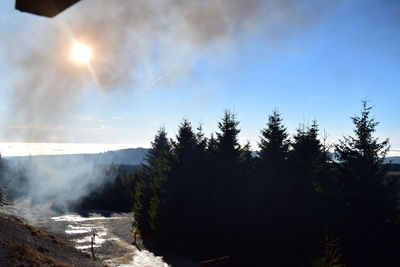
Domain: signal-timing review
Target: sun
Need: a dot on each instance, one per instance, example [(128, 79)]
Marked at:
[(81, 53)]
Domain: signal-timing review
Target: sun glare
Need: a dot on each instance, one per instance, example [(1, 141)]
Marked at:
[(81, 53)]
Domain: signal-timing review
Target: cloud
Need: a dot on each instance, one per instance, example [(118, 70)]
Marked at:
[(136, 44), (117, 118)]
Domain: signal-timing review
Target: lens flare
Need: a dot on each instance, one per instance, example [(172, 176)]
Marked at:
[(81, 53)]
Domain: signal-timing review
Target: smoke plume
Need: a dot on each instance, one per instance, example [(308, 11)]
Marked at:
[(60, 181), (134, 43)]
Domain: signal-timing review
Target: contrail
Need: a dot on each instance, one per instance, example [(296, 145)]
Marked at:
[(152, 84)]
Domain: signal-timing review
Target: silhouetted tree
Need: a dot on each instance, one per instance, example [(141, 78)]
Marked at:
[(182, 185), (157, 169), (141, 202), (274, 144), (305, 164), (227, 138), (247, 160), (368, 200), (213, 197), (273, 217), (212, 145), (226, 185)]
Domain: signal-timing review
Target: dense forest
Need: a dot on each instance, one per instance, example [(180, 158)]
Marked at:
[(115, 194), (296, 202)]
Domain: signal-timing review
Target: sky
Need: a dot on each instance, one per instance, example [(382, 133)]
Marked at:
[(313, 60)]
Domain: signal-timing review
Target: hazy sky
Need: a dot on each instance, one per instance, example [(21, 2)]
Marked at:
[(309, 59)]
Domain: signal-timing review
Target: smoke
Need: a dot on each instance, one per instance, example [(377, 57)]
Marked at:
[(134, 43), (60, 181)]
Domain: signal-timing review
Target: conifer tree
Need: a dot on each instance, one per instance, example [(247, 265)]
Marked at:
[(227, 137), (369, 200), (158, 168), (305, 161), (201, 140), (274, 143), (273, 188), (273, 153), (360, 163), (246, 157), (227, 177), (182, 183), (184, 147), (306, 148), (141, 202), (212, 148)]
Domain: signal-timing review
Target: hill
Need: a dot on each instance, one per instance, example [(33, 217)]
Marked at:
[(394, 160), (24, 245), (130, 156)]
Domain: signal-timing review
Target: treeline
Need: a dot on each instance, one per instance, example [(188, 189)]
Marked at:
[(112, 187), (293, 203), (116, 194)]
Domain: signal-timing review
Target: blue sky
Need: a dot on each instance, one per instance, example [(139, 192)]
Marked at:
[(320, 70)]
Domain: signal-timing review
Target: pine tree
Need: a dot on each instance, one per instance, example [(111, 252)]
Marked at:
[(247, 158), (227, 191), (182, 185), (227, 138), (201, 140), (360, 163), (305, 162), (368, 199), (185, 146), (273, 187), (274, 144), (157, 169), (212, 147), (306, 149), (141, 202)]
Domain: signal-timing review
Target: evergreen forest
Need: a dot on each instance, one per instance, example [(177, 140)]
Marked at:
[(297, 201)]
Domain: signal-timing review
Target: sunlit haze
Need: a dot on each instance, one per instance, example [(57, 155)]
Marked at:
[(12, 149), (151, 65), (81, 53)]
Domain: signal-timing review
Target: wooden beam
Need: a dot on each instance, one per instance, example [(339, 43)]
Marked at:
[(47, 8)]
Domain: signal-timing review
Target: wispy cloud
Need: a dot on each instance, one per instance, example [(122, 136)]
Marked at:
[(151, 84), (117, 118)]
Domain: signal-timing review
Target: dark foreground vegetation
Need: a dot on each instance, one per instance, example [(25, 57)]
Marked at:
[(296, 202), (292, 204)]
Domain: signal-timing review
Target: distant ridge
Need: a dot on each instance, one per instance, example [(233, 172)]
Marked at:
[(394, 160), (129, 156)]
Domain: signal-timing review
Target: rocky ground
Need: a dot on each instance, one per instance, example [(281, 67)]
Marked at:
[(24, 245), (112, 243)]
